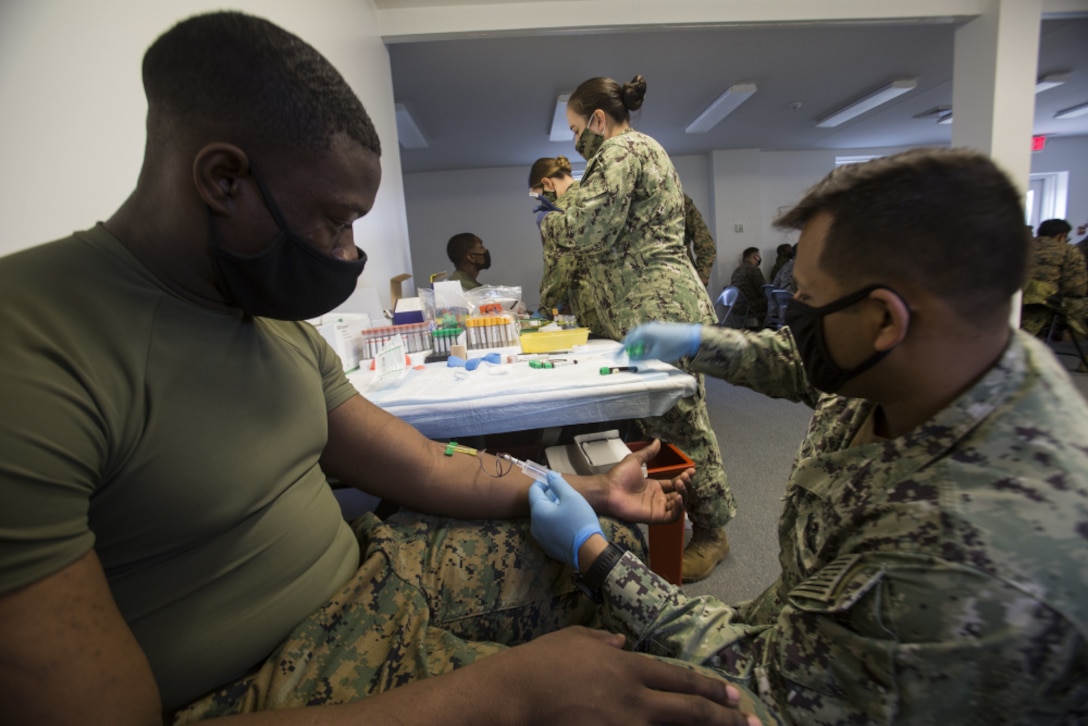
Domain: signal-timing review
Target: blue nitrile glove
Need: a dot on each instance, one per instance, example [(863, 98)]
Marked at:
[(544, 209), (474, 363), (663, 341), (545, 205), (562, 518)]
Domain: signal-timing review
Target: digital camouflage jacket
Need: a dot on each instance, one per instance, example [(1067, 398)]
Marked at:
[(939, 577)]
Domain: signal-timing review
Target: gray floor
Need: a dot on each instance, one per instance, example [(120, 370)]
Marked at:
[(759, 437)]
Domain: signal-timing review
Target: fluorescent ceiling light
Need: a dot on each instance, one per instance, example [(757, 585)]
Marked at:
[(1072, 111), (408, 133), (868, 103), (1051, 80), (722, 106), (560, 128), (945, 118)]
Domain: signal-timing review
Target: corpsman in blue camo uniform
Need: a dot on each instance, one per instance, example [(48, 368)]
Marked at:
[(624, 226), (934, 538)]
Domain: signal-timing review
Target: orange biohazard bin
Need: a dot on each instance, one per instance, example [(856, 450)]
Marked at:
[(666, 540)]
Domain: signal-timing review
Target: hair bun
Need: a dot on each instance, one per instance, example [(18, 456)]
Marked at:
[(633, 93), (563, 163)]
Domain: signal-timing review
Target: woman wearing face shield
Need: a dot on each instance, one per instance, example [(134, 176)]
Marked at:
[(622, 228), (561, 286)]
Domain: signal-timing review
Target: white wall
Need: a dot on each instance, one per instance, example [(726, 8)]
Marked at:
[(494, 205), (1068, 154), (72, 135)]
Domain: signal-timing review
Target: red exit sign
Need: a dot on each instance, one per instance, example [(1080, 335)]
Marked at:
[(1038, 142)]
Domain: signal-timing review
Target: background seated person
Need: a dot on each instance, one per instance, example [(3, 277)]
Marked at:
[(749, 279), (784, 279), (469, 256), (1057, 279)]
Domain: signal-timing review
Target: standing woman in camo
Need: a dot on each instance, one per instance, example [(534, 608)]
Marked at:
[(562, 284), (624, 224)]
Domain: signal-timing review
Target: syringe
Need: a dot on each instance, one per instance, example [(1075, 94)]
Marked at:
[(529, 468), (540, 473)]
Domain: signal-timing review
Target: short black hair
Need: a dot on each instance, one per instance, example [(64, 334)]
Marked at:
[(251, 83), (1054, 228), (459, 245), (947, 220), (749, 251)]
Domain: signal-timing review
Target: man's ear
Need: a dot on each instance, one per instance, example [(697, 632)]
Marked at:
[(217, 171), (895, 321)]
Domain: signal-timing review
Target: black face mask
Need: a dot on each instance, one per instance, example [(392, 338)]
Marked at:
[(289, 280), (487, 261), (806, 324)]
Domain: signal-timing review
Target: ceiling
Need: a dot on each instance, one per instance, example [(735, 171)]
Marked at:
[(488, 101)]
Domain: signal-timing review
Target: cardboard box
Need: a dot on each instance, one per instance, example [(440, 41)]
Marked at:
[(395, 285), (407, 310)]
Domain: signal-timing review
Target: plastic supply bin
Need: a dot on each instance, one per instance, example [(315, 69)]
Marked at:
[(666, 540), (553, 341)]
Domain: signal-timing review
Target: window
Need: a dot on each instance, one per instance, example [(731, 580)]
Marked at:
[(1046, 198)]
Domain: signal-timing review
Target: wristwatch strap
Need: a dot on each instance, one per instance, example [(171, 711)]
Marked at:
[(592, 582)]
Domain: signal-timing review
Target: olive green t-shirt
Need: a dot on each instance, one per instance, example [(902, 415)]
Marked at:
[(178, 442), (467, 283)]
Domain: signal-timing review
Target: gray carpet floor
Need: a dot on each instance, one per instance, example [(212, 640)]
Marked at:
[(758, 437)]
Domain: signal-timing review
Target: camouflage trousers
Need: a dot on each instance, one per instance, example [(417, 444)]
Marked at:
[(431, 595), (687, 425)]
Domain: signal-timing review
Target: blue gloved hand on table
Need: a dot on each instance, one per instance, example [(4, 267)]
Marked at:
[(663, 341), (562, 519)]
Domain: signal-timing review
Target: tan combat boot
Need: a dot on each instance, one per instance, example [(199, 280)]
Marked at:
[(706, 549)]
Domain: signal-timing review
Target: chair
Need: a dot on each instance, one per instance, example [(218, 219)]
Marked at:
[(782, 299), (1055, 332), (734, 308), (773, 319)]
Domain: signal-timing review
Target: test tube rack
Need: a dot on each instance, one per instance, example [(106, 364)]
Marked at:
[(443, 338), (416, 338)]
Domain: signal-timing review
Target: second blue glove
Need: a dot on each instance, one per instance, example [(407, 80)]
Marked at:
[(663, 341)]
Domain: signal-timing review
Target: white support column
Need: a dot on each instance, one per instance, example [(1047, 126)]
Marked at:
[(993, 89), (994, 73)]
